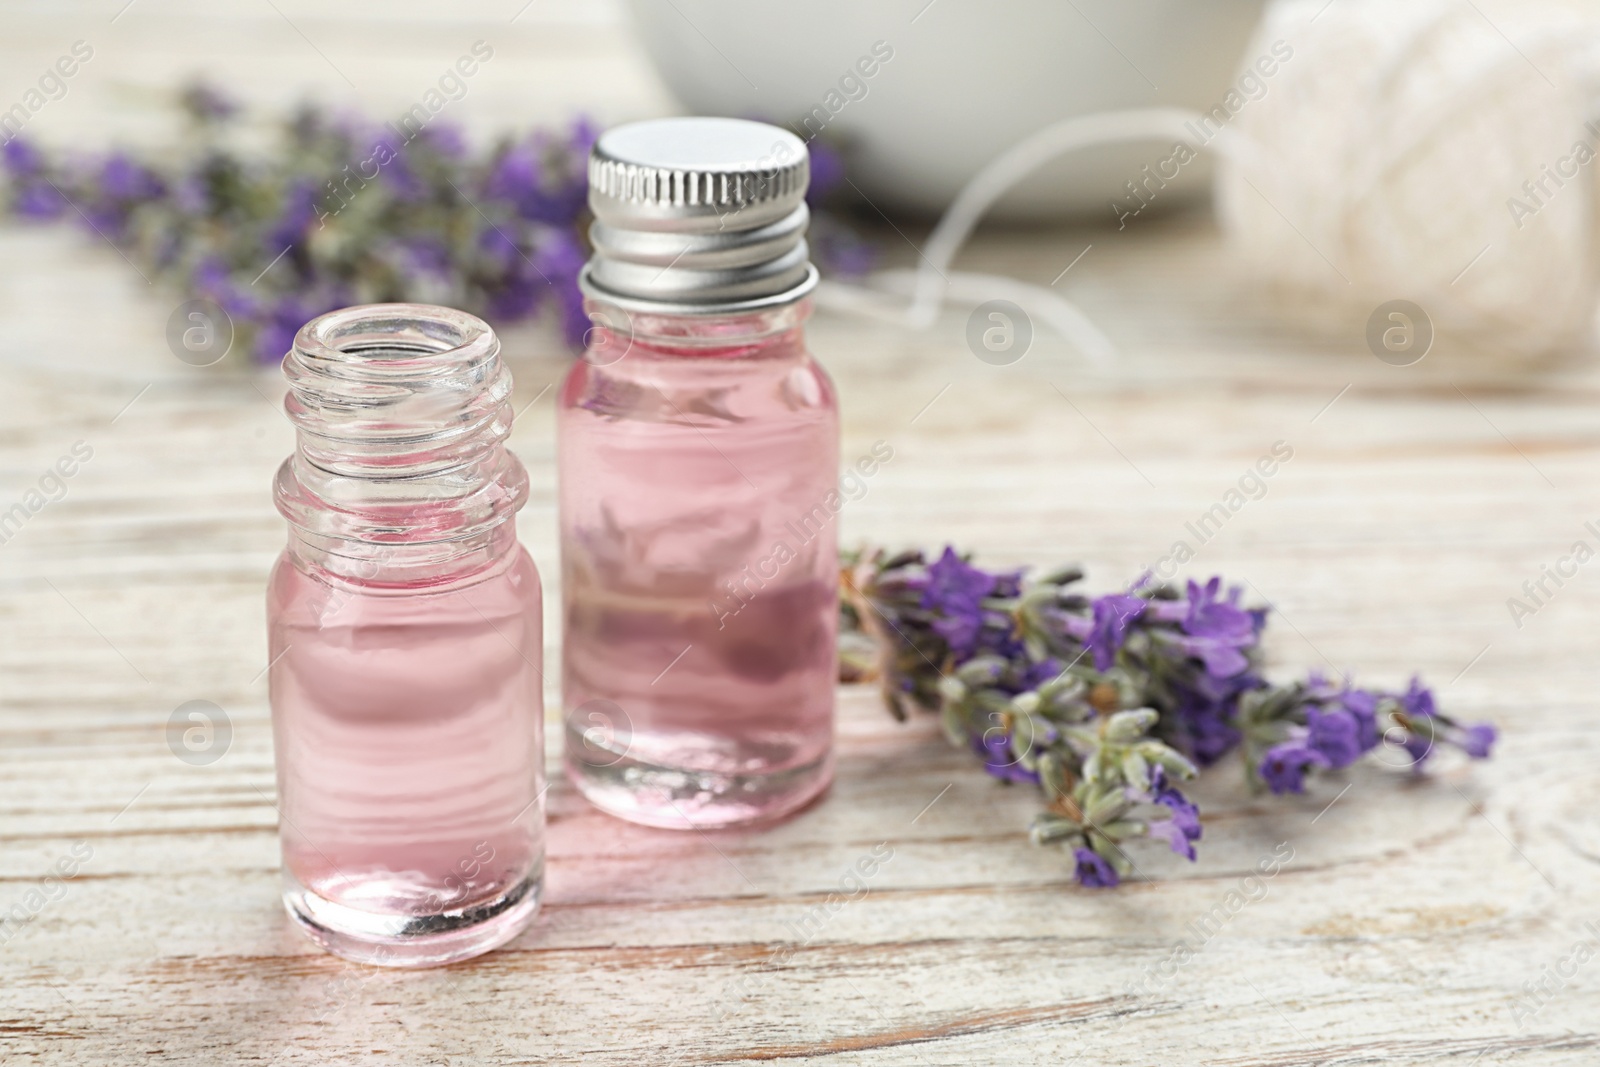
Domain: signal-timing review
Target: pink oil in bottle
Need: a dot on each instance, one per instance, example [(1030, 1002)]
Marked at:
[(698, 463), (405, 643)]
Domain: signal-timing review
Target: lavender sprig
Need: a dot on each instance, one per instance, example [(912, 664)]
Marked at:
[(1106, 703), (345, 211)]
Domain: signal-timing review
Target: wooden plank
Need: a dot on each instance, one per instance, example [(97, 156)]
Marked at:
[(1404, 930)]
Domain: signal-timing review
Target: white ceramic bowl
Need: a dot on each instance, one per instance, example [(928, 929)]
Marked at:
[(965, 80)]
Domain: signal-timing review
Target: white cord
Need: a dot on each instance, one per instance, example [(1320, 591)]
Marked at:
[(933, 281), (888, 301)]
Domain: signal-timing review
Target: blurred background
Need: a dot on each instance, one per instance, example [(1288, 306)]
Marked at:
[(1347, 154)]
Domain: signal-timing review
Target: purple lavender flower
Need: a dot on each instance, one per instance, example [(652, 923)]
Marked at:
[(1417, 703), (954, 593), (212, 278), (1202, 695), (1335, 734), (499, 247), (445, 138), (571, 195), (1363, 706), (1203, 718), (995, 747), (1319, 687), (522, 286), (1182, 828), (1284, 766), (1333, 702), (275, 333), (209, 275), (425, 255), (124, 179), (400, 177), (997, 636), (1220, 619), (39, 200), (1420, 717), (1093, 872), (1037, 673), (1217, 632), (1007, 583), (1114, 613), (21, 157), (295, 218), (1477, 741), (514, 175), (1419, 747), (1222, 659), (517, 297), (539, 193)]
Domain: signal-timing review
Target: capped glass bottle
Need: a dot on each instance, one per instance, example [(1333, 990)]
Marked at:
[(698, 451), (405, 631)]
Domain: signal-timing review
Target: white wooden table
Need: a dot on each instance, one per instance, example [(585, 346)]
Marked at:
[(1402, 931)]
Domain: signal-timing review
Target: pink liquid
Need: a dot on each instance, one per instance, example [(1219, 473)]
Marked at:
[(700, 570), (408, 733)]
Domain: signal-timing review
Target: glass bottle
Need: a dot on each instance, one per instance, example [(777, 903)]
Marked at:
[(405, 631), (698, 450)]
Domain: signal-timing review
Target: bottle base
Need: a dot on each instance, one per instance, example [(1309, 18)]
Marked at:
[(676, 798), (413, 940)]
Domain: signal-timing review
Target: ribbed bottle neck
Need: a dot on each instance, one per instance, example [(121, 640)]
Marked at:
[(401, 412)]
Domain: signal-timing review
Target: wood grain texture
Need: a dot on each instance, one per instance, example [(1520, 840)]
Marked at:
[(1418, 500)]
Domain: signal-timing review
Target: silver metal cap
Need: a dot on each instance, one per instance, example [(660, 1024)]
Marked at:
[(698, 215)]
